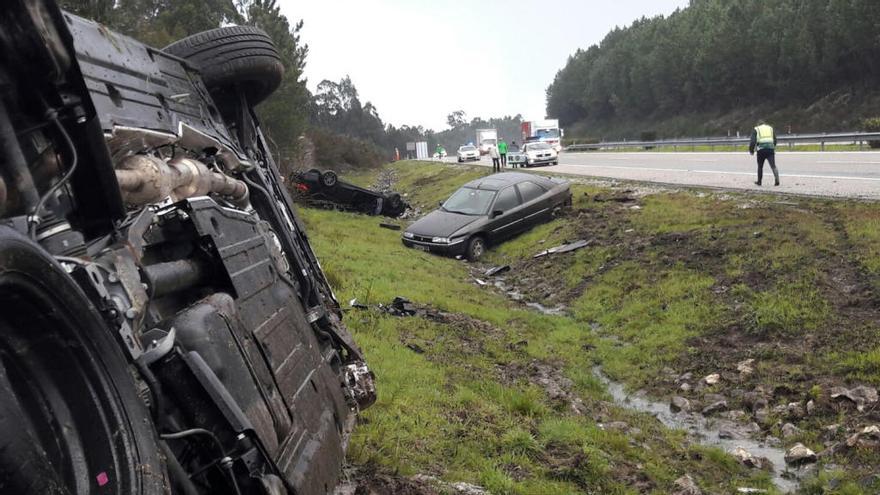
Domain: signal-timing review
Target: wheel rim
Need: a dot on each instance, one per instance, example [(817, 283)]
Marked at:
[(478, 248), (66, 404)]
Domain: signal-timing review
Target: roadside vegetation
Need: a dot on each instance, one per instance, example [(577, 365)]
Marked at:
[(478, 387), (808, 65)]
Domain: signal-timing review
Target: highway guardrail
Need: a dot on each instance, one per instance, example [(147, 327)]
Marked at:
[(856, 138)]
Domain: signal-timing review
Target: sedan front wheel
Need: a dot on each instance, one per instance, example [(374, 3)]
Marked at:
[(476, 248)]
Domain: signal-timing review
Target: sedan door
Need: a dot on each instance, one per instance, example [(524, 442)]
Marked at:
[(537, 205), (508, 222)]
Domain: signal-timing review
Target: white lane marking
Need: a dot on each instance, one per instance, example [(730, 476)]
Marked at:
[(651, 169), (849, 163)]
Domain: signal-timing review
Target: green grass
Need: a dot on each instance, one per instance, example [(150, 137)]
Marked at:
[(449, 412), (862, 224), (653, 312), (700, 282), (789, 310)]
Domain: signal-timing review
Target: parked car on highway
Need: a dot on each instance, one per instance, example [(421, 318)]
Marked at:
[(487, 211), (165, 327), (540, 153), (468, 153)]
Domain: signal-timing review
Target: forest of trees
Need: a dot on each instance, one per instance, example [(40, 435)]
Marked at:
[(721, 57)]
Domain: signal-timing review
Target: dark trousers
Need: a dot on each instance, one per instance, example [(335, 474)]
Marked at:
[(769, 156), (496, 165), (503, 159)]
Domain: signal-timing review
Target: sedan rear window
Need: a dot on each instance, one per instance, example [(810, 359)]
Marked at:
[(467, 201)]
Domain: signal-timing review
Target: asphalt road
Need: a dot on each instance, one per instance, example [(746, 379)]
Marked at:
[(840, 174)]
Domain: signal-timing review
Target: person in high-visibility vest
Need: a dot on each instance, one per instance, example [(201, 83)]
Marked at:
[(764, 140)]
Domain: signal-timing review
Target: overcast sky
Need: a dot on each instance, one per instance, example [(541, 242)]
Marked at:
[(419, 60)]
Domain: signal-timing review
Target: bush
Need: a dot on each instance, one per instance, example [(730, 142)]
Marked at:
[(872, 125)]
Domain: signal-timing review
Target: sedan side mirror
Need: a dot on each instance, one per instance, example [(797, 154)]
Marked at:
[(497, 213)]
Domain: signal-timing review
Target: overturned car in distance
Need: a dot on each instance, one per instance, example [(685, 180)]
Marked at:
[(326, 190), (165, 326), (487, 211)]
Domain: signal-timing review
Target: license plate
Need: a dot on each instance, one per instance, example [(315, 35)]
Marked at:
[(422, 248)]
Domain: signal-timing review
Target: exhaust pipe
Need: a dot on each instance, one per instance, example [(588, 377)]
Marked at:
[(145, 179)]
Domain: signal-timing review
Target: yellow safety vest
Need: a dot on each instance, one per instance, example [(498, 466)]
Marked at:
[(765, 135)]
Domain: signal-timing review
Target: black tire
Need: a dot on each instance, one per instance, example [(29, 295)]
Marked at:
[(71, 420), (476, 247), (235, 55), (329, 178), (556, 162), (394, 201)]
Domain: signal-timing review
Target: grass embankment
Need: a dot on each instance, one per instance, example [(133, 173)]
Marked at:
[(674, 283)]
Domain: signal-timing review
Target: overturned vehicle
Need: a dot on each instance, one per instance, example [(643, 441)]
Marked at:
[(164, 324), (326, 190)]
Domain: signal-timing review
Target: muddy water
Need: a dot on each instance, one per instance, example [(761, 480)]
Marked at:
[(703, 431), (557, 311)]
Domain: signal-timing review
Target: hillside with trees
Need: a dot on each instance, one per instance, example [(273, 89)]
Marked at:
[(717, 66)]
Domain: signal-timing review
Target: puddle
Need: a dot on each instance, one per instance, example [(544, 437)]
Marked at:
[(703, 431), (557, 311)]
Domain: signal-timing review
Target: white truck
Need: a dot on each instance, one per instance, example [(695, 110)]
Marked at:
[(546, 131), (486, 138)]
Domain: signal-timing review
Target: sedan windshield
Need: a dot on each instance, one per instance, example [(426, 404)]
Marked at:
[(547, 133), (538, 146), (467, 148), (467, 201)]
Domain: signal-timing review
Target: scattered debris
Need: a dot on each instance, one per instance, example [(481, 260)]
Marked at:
[(356, 305), (745, 367), (491, 272), (712, 379), (687, 486), (416, 348), (620, 198), (401, 306), (799, 455), (635, 207), (565, 248), (860, 396), (751, 490), (390, 226), (479, 282)]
